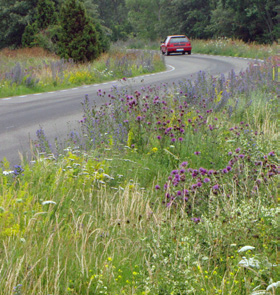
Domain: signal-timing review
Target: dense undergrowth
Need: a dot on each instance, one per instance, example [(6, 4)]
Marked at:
[(164, 190)]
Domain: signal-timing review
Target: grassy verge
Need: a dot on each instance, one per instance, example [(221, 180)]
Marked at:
[(219, 46), (33, 70), (170, 193)]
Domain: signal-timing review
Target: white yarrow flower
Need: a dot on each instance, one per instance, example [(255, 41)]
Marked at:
[(48, 202), (246, 248)]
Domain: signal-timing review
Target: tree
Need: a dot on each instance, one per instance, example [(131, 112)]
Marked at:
[(79, 39), (14, 17), (46, 14)]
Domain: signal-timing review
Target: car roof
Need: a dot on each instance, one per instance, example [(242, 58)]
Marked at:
[(177, 36)]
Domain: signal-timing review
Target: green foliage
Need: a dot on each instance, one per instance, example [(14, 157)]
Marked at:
[(14, 17), (46, 14), (79, 39), (28, 36)]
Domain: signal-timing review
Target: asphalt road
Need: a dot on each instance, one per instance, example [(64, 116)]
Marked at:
[(58, 112)]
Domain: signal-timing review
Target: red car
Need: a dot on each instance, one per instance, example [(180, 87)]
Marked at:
[(176, 44)]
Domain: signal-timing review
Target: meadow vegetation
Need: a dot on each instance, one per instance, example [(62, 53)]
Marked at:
[(33, 70), (163, 190)]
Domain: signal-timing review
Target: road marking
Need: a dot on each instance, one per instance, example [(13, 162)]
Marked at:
[(7, 98), (37, 94), (23, 95)]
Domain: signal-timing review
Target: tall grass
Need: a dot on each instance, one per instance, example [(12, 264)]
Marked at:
[(123, 208), (33, 70)]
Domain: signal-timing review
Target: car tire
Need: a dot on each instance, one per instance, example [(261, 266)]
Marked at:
[(189, 52), (183, 52)]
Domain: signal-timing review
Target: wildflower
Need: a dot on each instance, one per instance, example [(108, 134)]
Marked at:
[(241, 156), (228, 168), (197, 153), (272, 153), (180, 139), (159, 137), (157, 187), (229, 153), (173, 139), (179, 193), (206, 180), (48, 202), (215, 187), (225, 171), (237, 150), (210, 172), (184, 164), (199, 184)]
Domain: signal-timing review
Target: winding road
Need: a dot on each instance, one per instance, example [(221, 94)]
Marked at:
[(56, 112)]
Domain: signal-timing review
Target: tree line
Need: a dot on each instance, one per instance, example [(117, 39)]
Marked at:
[(82, 29)]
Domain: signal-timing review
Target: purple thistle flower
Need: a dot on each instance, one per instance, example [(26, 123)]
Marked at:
[(174, 172), (197, 153), (173, 139), (237, 150), (228, 168), (241, 156), (179, 193), (186, 192), (184, 164), (199, 184), (206, 180), (210, 172), (180, 139), (159, 137), (182, 171), (229, 153), (215, 187), (157, 187), (225, 171)]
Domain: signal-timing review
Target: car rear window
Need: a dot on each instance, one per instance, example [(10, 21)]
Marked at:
[(179, 39)]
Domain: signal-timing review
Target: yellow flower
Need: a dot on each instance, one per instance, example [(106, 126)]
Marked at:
[(155, 149), (110, 259)]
